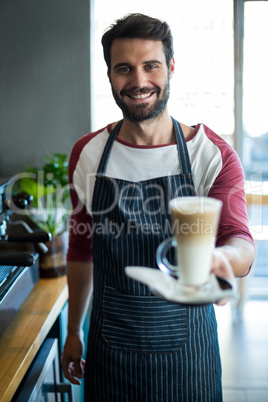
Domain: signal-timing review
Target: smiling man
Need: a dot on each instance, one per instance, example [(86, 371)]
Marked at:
[(140, 347)]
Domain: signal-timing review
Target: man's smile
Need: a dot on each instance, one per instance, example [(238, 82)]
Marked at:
[(141, 96), (139, 93)]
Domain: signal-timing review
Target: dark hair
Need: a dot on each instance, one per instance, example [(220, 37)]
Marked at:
[(138, 26)]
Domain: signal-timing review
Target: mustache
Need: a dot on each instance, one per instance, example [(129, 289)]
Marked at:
[(140, 91)]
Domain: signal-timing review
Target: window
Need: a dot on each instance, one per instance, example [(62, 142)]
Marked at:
[(255, 132), (255, 87)]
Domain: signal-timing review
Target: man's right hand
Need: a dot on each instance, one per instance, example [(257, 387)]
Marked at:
[(73, 364)]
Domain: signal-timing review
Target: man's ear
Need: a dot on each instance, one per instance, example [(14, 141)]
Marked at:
[(172, 67), (108, 75)]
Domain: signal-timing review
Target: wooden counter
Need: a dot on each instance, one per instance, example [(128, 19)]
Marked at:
[(27, 331)]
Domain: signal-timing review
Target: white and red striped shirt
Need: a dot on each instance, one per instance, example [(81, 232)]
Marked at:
[(216, 171)]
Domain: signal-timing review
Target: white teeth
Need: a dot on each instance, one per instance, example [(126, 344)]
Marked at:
[(140, 96)]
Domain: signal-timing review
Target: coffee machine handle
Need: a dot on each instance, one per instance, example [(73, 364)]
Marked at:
[(35, 237), (19, 259)]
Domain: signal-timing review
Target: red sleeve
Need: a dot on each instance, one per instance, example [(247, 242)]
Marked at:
[(80, 224), (80, 237), (229, 188)]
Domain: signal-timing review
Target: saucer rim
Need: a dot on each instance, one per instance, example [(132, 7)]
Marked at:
[(194, 297)]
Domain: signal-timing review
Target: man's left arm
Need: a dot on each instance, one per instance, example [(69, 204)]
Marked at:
[(233, 259), (235, 251)]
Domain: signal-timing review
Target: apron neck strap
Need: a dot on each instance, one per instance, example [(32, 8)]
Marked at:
[(183, 154), (181, 147), (108, 147)]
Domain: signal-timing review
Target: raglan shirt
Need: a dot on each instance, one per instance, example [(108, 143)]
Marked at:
[(216, 171)]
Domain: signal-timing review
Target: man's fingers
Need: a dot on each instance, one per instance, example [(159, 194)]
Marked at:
[(78, 368), (222, 302), (73, 370)]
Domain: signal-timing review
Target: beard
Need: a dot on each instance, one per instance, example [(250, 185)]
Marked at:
[(141, 112)]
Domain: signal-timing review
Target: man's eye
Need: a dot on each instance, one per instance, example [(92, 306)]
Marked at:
[(150, 66), (123, 70)]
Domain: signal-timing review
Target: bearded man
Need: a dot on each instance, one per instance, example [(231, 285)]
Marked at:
[(140, 347)]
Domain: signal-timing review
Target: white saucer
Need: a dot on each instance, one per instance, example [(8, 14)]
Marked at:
[(169, 288)]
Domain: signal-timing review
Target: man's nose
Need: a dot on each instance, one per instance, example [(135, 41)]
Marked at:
[(138, 78)]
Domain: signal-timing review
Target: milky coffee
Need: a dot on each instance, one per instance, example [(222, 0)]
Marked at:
[(195, 225)]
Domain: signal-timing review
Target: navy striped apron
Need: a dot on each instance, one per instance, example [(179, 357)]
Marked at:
[(142, 348)]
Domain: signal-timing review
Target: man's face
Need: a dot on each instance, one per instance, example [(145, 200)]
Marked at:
[(140, 77)]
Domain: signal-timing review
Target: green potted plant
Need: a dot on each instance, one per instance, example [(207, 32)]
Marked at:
[(48, 211)]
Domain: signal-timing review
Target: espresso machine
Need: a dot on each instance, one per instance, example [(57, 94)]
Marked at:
[(19, 245)]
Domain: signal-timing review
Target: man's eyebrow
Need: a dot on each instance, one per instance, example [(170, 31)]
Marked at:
[(121, 65), (154, 61)]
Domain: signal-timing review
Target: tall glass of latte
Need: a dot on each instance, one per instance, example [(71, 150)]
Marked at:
[(194, 224)]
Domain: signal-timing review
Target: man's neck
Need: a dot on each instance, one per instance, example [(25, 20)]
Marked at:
[(158, 131), (153, 132)]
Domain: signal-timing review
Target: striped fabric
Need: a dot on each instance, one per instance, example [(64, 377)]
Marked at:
[(142, 348), (164, 331)]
